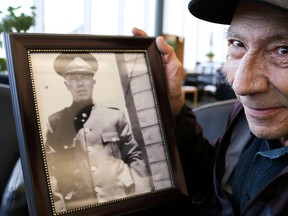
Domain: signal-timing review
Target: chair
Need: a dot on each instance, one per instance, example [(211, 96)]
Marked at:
[(193, 90), (213, 117), (9, 153)]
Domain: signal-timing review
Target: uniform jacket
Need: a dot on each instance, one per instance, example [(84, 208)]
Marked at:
[(208, 167), (98, 159)]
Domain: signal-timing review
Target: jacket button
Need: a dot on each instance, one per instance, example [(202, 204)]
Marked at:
[(247, 196), (93, 169), (97, 189), (89, 148)]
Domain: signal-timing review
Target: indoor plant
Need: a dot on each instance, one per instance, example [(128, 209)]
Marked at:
[(11, 22), (210, 55)]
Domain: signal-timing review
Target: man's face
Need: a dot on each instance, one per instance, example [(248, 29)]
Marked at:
[(80, 86), (257, 67)]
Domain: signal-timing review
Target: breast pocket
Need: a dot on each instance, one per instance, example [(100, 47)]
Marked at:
[(111, 142)]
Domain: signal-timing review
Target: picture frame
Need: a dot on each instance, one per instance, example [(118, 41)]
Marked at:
[(69, 174)]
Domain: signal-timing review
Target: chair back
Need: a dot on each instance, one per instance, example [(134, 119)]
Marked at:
[(213, 118), (9, 152)]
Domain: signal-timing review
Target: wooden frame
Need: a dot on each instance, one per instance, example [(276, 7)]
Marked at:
[(138, 88)]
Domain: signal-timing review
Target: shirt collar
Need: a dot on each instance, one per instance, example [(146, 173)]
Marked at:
[(272, 149)]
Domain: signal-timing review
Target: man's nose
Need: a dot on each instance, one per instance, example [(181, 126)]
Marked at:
[(80, 81), (250, 76)]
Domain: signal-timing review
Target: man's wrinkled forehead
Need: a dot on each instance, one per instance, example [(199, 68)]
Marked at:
[(250, 24)]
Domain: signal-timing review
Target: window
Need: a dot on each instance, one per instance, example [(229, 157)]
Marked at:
[(200, 36), (118, 17), (109, 17), (66, 17)]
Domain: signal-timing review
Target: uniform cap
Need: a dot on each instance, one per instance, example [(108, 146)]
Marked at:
[(75, 63), (221, 11)]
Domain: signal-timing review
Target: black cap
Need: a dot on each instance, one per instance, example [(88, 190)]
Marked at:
[(221, 11), (75, 63)]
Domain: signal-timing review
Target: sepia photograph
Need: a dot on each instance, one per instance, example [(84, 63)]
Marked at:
[(92, 154)]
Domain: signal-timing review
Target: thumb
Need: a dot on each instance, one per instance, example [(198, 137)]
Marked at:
[(166, 50), (162, 45)]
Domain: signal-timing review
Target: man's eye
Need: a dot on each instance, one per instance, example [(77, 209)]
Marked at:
[(283, 50), (238, 43), (73, 80)]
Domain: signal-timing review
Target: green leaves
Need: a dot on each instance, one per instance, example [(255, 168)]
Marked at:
[(13, 23)]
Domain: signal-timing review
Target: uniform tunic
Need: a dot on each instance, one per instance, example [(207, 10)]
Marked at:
[(96, 162)]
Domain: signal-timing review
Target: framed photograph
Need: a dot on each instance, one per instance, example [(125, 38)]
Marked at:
[(95, 129)]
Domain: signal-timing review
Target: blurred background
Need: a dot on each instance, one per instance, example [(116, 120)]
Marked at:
[(200, 45)]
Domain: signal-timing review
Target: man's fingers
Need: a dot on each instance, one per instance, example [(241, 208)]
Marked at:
[(138, 32)]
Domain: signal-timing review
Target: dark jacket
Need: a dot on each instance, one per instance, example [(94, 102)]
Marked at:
[(208, 167), (83, 145)]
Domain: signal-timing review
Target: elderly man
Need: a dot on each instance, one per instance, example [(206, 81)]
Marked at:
[(91, 152), (246, 171)]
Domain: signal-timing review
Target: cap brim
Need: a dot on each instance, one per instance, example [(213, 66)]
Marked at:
[(221, 11), (79, 72), (216, 11)]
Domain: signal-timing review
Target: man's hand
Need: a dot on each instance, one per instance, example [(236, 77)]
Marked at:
[(173, 70)]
